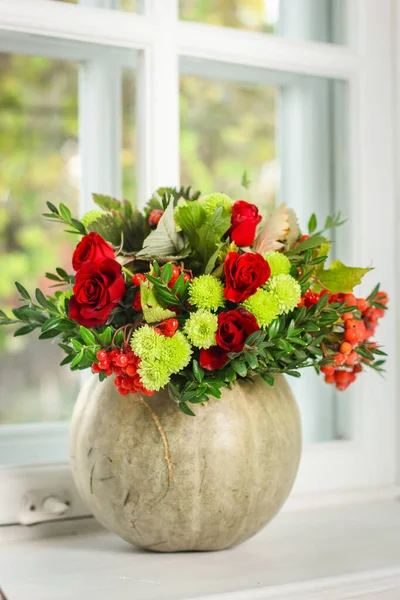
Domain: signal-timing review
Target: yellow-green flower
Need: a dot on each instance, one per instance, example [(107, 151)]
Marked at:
[(278, 262), (177, 352), (153, 374), (201, 328), (146, 343), (264, 306), (206, 292), (287, 291), (211, 201)]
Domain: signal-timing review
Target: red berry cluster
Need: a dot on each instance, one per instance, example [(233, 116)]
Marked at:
[(310, 298), (124, 364), (357, 328)]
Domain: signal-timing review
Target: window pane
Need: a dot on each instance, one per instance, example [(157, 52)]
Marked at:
[(39, 162), (125, 5), (227, 128), (128, 135), (289, 137), (319, 20)]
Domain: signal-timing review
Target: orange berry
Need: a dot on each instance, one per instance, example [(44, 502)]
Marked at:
[(328, 369), (347, 316), (330, 378), (362, 304), (345, 348), (350, 299), (339, 359), (382, 297), (351, 359), (351, 336)]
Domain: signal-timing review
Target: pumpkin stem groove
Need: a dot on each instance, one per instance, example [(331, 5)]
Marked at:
[(167, 453)]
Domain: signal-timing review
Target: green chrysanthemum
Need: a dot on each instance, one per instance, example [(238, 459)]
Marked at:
[(207, 292), (201, 328), (91, 216), (153, 374), (212, 201), (176, 353), (279, 263), (146, 343), (264, 306), (287, 291)]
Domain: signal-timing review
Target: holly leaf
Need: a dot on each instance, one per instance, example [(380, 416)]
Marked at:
[(165, 240), (341, 279)]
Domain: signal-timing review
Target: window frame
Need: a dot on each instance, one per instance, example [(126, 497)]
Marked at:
[(162, 45)]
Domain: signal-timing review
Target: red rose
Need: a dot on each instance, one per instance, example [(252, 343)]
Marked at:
[(244, 221), (98, 289), (214, 358), (234, 327), (244, 274), (93, 248)]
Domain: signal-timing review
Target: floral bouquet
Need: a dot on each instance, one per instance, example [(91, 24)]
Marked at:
[(194, 293)]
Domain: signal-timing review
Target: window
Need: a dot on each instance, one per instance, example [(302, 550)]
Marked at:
[(165, 91)]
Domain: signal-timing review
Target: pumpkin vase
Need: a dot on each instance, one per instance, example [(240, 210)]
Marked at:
[(169, 482)]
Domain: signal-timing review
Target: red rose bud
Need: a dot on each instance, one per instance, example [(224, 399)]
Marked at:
[(244, 274), (244, 221), (155, 217), (98, 289), (92, 248), (214, 358), (234, 327)]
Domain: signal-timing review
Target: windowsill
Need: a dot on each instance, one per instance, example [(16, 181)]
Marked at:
[(331, 553)]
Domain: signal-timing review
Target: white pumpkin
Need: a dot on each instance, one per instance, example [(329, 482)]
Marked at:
[(168, 482)]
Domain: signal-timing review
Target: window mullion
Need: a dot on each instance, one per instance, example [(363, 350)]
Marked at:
[(100, 118), (158, 103)]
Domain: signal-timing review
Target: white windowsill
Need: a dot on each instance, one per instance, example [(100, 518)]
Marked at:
[(330, 553)]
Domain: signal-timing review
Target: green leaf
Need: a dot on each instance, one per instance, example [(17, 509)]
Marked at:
[(23, 292), (52, 208), (312, 224), (165, 240), (341, 279), (105, 337), (41, 298), (166, 273), (77, 346), (240, 368), (106, 202), (79, 226), (49, 334), (67, 360), (185, 409), (312, 242), (51, 323), (253, 337), (77, 359), (245, 181), (26, 329), (198, 371), (52, 277), (268, 378), (65, 213), (273, 329), (251, 360), (87, 336)]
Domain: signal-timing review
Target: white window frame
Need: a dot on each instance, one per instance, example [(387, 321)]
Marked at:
[(105, 38)]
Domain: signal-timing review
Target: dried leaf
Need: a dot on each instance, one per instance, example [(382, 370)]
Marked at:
[(274, 232)]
